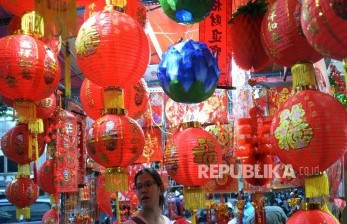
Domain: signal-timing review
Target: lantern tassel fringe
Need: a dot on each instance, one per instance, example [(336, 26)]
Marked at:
[(23, 213), (36, 126), (116, 180), (23, 170), (317, 186), (26, 110), (303, 75), (113, 97), (194, 197)]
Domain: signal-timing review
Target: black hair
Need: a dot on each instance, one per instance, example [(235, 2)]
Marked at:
[(156, 178)]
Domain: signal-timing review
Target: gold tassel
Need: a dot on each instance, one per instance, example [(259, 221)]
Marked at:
[(67, 79), (344, 63), (113, 97), (194, 197), (26, 110), (33, 24), (36, 126), (194, 211), (23, 213), (23, 170), (117, 3), (317, 186), (35, 147), (116, 179), (117, 206), (30, 146), (52, 200), (303, 76)]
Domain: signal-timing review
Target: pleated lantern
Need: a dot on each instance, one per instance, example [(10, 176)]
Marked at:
[(136, 99), (282, 35), (188, 72), (51, 216), (309, 131), (46, 177), (261, 167), (310, 213), (185, 151), (248, 52), (134, 8), (109, 63), (22, 192), (115, 141), (187, 11)]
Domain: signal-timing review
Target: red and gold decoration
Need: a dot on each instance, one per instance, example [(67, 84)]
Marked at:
[(51, 216), (186, 150), (22, 192), (261, 169), (258, 201), (46, 177), (311, 213), (248, 52)]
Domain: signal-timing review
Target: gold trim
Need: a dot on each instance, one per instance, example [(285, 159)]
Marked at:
[(117, 111), (116, 170), (191, 124), (310, 206)]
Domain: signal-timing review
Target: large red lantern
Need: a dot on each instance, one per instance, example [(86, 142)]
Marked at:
[(311, 213), (18, 8), (135, 99), (324, 24), (282, 36), (186, 153), (46, 177), (17, 144), (107, 62), (22, 192), (115, 141)]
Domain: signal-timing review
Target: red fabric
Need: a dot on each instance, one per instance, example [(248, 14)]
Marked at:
[(32, 70), (102, 59), (22, 192), (17, 8), (152, 150), (309, 131), (46, 177), (51, 216), (325, 27), (282, 35), (115, 141), (215, 32), (15, 144), (103, 197), (311, 216), (264, 162)]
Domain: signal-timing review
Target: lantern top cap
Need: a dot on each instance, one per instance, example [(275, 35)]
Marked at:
[(32, 24), (191, 124), (310, 206)]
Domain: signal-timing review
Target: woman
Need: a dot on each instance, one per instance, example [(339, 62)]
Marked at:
[(150, 192)]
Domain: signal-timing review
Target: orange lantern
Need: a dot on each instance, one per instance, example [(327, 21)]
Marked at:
[(261, 166), (17, 144), (282, 36), (115, 141), (22, 192), (136, 98), (107, 62), (51, 216), (311, 213), (46, 177), (185, 152)]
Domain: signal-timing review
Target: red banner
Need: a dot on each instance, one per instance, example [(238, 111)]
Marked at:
[(214, 31)]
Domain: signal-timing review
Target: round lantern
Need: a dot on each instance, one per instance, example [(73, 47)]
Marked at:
[(310, 213), (188, 72), (187, 153), (46, 177), (282, 36), (22, 192), (115, 141), (248, 52), (135, 99), (310, 131), (257, 169), (17, 144), (16, 8), (51, 216), (324, 24), (135, 9), (107, 62), (187, 11)]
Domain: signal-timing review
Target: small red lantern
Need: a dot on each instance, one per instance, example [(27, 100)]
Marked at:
[(46, 177), (325, 26), (51, 216), (17, 144), (185, 153), (282, 36), (257, 169), (115, 141), (22, 192), (311, 213), (107, 62), (136, 98)]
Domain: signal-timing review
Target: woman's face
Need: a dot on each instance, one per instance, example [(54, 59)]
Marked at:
[(147, 191)]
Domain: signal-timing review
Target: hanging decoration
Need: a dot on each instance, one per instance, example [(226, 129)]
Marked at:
[(248, 52), (188, 72), (46, 176), (262, 169), (187, 11), (51, 216)]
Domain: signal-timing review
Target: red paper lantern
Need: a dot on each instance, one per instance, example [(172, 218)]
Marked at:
[(133, 8), (51, 216), (309, 131), (15, 144), (107, 62), (308, 216), (30, 70), (282, 36), (261, 166), (135, 99), (16, 7), (325, 27), (46, 177), (22, 192)]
